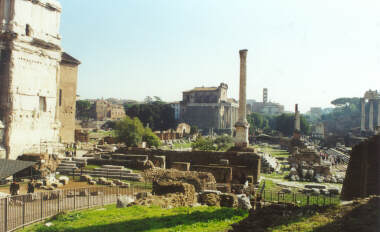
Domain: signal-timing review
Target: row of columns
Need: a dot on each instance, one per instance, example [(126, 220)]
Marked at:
[(370, 116)]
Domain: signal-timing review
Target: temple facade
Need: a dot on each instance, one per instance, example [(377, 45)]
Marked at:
[(209, 108)]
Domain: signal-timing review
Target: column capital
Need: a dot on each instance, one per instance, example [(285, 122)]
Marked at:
[(243, 53)]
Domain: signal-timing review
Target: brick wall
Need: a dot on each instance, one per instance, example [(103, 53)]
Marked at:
[(363, 172)]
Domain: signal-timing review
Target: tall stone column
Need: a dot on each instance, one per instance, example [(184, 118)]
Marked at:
[(241, 139), (370, 123), (297, 120), (362, 121)]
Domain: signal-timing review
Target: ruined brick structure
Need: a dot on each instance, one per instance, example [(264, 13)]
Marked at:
[(363, 172), (103, 110), (209, 108), (240, 165), (30, 70), (67, 92)]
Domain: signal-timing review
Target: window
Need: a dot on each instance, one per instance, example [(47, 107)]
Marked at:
[(43, 104), (60, 97), (27, 30)]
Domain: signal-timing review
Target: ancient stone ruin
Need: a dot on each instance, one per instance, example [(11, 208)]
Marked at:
[(363, 172)]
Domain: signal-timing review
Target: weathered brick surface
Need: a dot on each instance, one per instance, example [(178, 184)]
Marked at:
[(363, 172)]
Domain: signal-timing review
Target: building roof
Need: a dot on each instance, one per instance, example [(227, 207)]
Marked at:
[(66, 58), (11, 167), (200, 89)]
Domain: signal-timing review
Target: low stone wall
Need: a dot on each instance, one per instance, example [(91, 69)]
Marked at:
[(363, 171), (221, 174), (249, 162)]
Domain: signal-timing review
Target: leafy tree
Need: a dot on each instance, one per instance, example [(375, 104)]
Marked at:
[(151, 138), (132, 133), (156, 114), (129, 131), (83, 109), (344, 117), (285, 124), (258, 121), (203, 144), (194, 130), (109, 125), (223, 142)]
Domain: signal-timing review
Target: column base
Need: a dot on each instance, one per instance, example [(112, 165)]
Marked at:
[(241, 138)]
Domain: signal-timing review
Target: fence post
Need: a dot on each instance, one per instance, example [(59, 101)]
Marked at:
[(307, 200), (23, 211), (75, 199), (263, 197), (58, 203), (42, 205), (103, 196), (88, 197), (6, 214)]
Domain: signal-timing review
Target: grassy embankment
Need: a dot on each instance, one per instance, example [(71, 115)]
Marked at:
[(139, 218)]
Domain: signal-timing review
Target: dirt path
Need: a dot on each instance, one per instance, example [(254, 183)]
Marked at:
[(300, 185)]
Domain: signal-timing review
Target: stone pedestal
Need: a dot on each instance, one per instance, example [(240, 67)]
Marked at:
[(241, 139)]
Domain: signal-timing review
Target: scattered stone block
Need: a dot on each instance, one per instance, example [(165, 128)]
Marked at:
[(244, 202), (228, 200), (124, 201), (181, 166), (86, 178), (64, 180), (209, 198)]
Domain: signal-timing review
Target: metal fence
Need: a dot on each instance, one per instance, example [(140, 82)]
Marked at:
[(19, 211), (299, 199)]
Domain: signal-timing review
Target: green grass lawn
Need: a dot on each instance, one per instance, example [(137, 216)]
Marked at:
[(139, 218)]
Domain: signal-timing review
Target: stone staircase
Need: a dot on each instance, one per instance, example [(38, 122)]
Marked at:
[(70, 167)]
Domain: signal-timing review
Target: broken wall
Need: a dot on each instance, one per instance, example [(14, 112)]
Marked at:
[(66, 99), (245, 163), (363, 171)]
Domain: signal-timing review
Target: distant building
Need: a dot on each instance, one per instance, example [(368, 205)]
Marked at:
[(103, 110), (315, 113), (209, 108), (318, 131), (265, 107)]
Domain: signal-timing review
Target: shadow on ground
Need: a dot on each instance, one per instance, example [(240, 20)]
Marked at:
[(153, 223), (360, 217)]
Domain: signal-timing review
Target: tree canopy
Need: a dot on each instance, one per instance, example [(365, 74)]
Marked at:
[(157, 114), (344, 117), (283, 123), (132, 132), (83, 108)]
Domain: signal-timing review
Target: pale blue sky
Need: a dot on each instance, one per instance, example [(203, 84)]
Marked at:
[(304, 51)]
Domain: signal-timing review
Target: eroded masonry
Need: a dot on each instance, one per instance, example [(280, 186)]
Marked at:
[(37, 80)]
